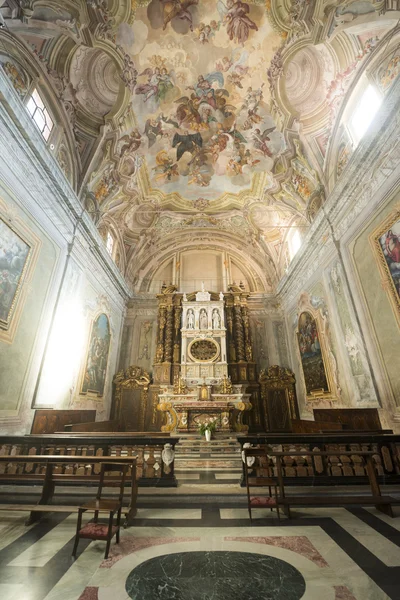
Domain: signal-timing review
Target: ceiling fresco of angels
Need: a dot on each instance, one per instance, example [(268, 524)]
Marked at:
[(201, 95)]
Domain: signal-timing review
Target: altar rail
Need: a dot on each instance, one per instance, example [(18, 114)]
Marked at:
[(331, 470), (154, 467)]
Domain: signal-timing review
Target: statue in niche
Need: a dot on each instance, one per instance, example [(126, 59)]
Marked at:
[(216, 319), (190, 319), (203, 319)]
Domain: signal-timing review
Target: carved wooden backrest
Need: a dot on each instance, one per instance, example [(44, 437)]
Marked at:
[(130, 398), (278, 394)]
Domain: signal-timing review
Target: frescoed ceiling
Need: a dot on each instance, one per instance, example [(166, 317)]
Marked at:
[(194, 116), (201, 100)]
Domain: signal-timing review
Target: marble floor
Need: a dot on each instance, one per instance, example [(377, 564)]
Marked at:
[(196, 542), (183, 548)]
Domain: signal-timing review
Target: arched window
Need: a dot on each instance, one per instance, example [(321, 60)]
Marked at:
[(294, 243), (363, 112), (110, 242), (40, 114)]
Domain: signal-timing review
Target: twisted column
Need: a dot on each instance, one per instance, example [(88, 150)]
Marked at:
[(239, 335), (247, 340), (160, 335), (169, 328)]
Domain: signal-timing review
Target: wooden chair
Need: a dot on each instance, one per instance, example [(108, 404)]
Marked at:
[(270, 501), (103, 531)]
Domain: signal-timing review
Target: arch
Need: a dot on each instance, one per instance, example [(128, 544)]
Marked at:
[(118, 254), (145, 263)]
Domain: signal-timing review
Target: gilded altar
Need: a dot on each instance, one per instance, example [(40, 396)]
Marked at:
[(202, 389), (186, 412)]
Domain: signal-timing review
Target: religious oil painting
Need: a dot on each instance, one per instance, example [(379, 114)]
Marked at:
[(386, 242), (97, 357), (311, 354), (14, 257)]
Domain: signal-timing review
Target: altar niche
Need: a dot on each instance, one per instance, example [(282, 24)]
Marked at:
[(202, 389), (203, 334)]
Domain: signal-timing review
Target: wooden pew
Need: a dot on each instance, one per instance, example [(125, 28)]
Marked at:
[(149, 449), (382, 503), (51, 478)]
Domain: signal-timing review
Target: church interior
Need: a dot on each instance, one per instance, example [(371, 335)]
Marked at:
[(199, 300)]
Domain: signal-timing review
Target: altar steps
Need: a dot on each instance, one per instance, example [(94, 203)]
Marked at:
[(215, 462)]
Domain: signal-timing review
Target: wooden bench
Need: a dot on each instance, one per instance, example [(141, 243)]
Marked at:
[(382, 503), (50, 479)]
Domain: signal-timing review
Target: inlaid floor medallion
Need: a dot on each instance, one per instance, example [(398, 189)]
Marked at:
[(215, 576)]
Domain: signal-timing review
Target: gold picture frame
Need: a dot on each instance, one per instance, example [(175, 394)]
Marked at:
[(326, 356), (15, 255), (385, 242)]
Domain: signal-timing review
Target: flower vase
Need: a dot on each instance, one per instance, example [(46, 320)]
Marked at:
[(207, 433)]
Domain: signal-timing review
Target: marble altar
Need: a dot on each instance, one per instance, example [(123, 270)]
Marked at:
[(203, 391)]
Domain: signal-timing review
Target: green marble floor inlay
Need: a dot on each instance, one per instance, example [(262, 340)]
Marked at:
[(215, 576)]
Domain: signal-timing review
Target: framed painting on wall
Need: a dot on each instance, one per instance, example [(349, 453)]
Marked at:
[(385, 241), (94, 376), (15, 254), (311, 355)]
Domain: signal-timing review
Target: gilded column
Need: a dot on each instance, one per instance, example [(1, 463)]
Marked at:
[(229, 337), (177, 328), (160, 340), (169, 329), (239, 337), (247, 340)]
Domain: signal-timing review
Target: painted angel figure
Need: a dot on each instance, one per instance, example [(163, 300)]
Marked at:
[(238, 24), (234, 67), (260, 140), (132, 143), (150, 88), (204, 87), (165, 83), (165, 167), (178, 9)]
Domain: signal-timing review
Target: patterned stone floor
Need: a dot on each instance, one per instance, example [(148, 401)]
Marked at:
[(198, 551), (195, 542)]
